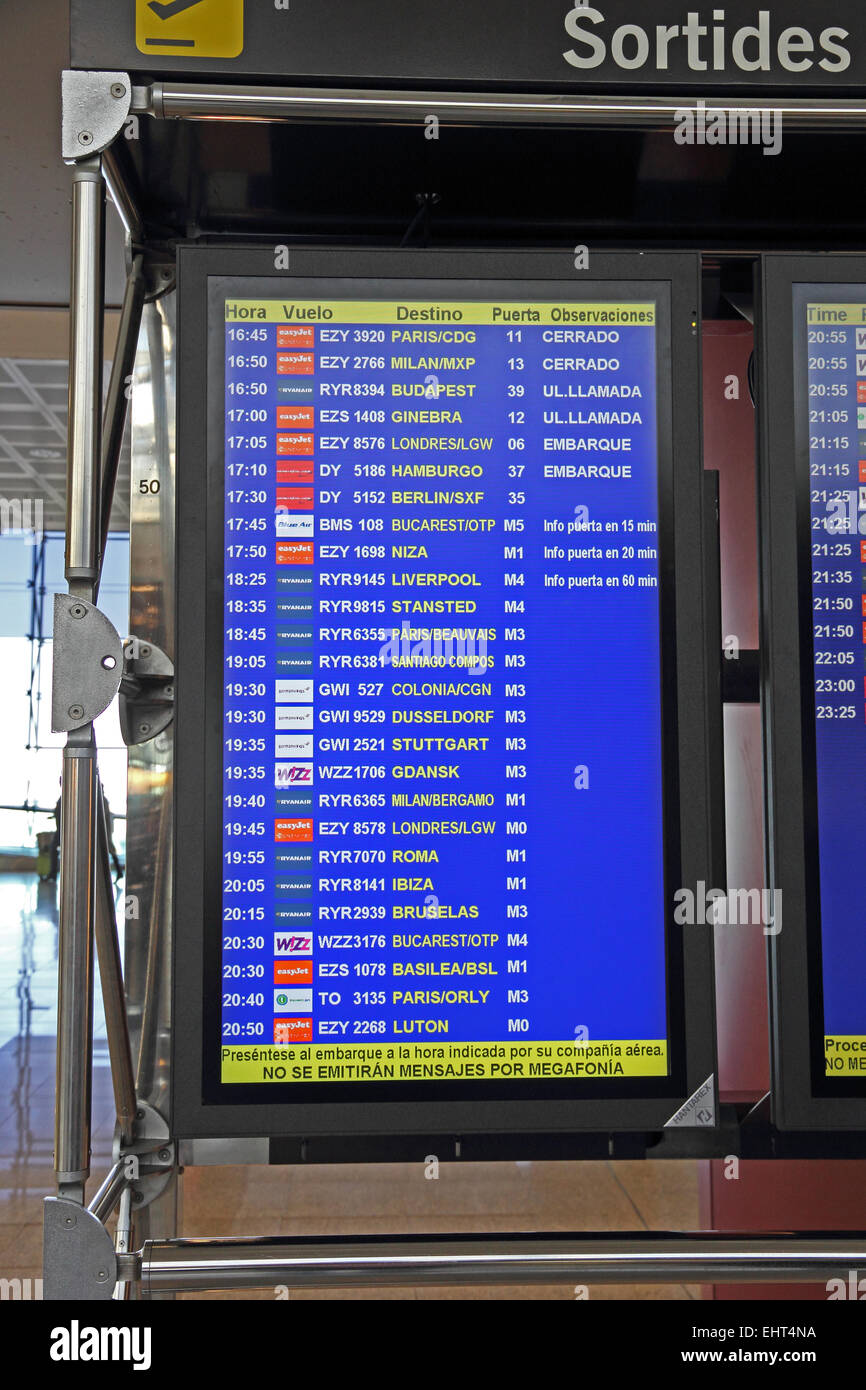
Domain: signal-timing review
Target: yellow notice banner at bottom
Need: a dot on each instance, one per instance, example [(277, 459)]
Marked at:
[(845, 1055), (510, 1061)]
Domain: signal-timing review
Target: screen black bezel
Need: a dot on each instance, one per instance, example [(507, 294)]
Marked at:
[(282, 1109), (804, 1097)]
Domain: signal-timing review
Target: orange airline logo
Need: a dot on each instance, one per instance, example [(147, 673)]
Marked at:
[(293, 972), (293, 1030), (286, 831)]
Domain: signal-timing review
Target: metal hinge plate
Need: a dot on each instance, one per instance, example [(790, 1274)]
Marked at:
[(88, 664), (95, 109), (146, 692)]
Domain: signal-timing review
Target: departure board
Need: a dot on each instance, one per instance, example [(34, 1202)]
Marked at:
[(833, 341), (442, 793)]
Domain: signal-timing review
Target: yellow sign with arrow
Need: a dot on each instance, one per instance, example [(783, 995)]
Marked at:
[(190, 28)]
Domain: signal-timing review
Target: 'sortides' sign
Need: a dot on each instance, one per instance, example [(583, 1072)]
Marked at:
[(795, 45)]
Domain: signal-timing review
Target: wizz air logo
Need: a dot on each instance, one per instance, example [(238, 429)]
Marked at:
[(298, 944), (293, 774)]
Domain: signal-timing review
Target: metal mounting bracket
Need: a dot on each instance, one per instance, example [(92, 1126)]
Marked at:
[(79, 1262), (160, 272), (146, 692), (95, 109), (699, 1110), (88, 664), (150, 1159)]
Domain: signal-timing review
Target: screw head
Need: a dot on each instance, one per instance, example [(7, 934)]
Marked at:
[(144, 728), (117, 89), (70, 1220), (76, 711), (164, 1155), (102, 1275), (144, 650), (138, 1198), (77, 610), (85, 137)]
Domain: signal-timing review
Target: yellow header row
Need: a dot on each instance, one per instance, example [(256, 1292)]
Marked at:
[(837, 313), (308, 313)]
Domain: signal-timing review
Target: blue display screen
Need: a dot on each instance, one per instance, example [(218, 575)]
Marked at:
[(835, 336), (443, 848)]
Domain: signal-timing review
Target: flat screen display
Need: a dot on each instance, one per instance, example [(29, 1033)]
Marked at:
[(443, 851), (831, 362)]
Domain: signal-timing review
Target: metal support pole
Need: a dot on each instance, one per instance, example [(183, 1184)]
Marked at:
[(126, 1290), (107, 945), (117, 400), (75, 968), (79, 791), (121, 196), (239, 101), (634, 1258), (111, 979), (109, 1194), (86, 307)]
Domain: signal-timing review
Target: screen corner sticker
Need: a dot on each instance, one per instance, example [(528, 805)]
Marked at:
[(194, 28)]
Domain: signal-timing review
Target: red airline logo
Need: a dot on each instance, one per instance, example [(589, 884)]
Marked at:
[(293, 972), (295, 337), (295, 417), (295, 553), (296, 445), (293, 830), (295, 473), (293, 1030), (296, 363), (295, 499)]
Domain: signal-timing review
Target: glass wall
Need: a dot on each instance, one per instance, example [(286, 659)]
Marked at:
[(31, 572)]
